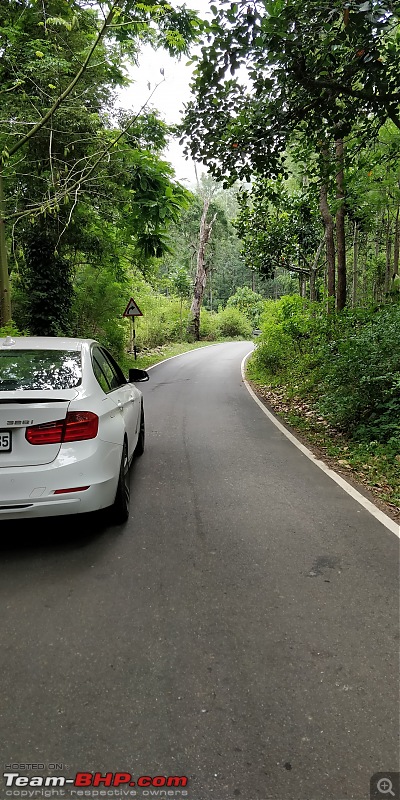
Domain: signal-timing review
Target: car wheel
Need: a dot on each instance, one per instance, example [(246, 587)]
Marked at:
[(120, 509), (139, 449)]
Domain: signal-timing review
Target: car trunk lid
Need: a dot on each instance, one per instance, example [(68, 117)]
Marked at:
[(20, 410)]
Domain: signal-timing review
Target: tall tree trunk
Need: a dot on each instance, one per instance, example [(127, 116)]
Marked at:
[(302, 285), (380, 226), (201, 272), (329, 240), (396, 249), (5, 293), (355, 265), (340, 231), (364, 272), (388, 269)]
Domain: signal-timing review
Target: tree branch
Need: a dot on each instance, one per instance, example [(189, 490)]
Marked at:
[(70, 87), (308, 81), (83, 177)]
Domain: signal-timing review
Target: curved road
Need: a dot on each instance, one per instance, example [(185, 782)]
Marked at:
[(241, 629)]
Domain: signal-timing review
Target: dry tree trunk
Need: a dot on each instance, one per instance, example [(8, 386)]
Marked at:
[(201, 272)]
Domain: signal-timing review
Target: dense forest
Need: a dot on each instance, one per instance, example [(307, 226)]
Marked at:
[(295, 230)]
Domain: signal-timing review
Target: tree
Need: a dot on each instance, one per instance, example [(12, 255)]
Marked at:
[(280, 229), (200, 280), (249, 303), (314, 70), (59, 64), (315, 66)]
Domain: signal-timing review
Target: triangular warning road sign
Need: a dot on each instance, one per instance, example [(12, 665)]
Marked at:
[(132, 310)]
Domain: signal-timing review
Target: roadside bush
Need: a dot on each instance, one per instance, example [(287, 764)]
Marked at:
[(97, 307), (113, 336), (231, 322), (209, 325), (349, 363), (361, 384), (249, 303), (286, 326), (160, 323), (11, 330)]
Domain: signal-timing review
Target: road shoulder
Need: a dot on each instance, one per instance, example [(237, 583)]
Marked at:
[(280, 409)]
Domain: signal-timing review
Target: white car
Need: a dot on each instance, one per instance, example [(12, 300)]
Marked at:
[(70, 425)]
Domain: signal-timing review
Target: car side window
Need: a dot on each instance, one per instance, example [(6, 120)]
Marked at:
[(99, 375), (103, 371), (118, 376)]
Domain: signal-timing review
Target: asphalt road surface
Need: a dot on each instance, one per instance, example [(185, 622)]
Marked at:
[(241, 629)]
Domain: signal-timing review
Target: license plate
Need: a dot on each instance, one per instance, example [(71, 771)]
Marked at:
[(5, 441)]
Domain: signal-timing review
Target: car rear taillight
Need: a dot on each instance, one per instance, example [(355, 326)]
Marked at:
[(76, 426), (49, 433)]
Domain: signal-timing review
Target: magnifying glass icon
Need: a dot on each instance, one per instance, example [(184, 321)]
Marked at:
[(385, 786)]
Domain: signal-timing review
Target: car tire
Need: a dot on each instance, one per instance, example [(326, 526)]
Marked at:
[(139, 449), (120, 509)]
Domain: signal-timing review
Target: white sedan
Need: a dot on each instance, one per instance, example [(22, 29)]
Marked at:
[(70, 425)]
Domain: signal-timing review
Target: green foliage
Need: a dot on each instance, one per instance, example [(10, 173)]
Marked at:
[(99, 301), (156, 200), (161, 320), (349, 363), (285, 326), (279, 225), (249, 303), (61, 153), (48, 281), (180, 282), (11, 329), (209, 328), (232, 323), (225, 265), (362, 375), (312, 66)]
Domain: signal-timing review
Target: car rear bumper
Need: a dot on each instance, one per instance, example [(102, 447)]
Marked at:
[(27, 492)]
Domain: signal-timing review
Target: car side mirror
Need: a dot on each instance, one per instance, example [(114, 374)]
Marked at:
[(138, 375)]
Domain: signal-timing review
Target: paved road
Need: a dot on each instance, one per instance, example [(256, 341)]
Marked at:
[(241, 629)]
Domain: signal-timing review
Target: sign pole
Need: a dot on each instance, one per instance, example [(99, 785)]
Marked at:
[(132, 310), (134, 336)]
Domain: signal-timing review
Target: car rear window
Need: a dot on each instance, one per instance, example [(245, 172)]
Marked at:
[(39, 369)]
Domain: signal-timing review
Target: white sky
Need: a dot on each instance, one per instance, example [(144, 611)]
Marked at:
[(169, 97)]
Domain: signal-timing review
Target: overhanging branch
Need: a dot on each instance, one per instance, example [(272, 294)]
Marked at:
[(39, 125)]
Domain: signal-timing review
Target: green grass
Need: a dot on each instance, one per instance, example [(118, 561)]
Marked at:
[(149, 357)]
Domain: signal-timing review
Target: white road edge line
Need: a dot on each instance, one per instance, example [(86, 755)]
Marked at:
[(373, 509)]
